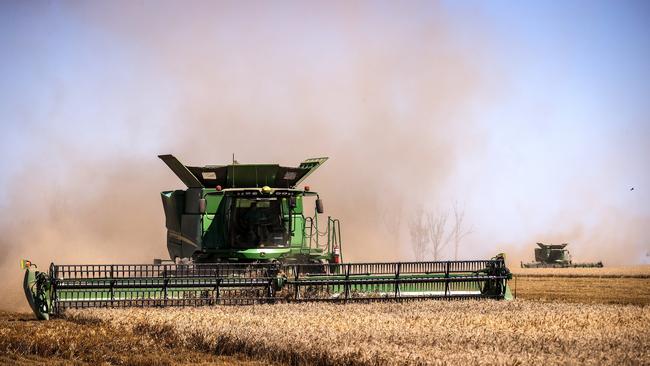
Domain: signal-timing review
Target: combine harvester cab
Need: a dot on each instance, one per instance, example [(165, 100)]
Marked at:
[(240, 234)]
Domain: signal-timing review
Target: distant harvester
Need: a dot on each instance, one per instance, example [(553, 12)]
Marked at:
[(555, 256)]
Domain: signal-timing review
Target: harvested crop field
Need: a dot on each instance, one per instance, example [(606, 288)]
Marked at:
[(584, 289), (639, 271), (26, 341), (427, 332), (575, 317), (613, 285)]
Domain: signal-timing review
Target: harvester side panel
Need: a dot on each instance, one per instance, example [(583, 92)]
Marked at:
[(192, 197), (173, 203), (213, 224), (191, 234)]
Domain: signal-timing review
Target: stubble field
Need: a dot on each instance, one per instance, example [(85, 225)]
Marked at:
[(565, 318), (609, 285), (639, 271), (431, 332)]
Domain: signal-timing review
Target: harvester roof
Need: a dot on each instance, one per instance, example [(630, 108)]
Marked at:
[(242, 175), (552, 246)]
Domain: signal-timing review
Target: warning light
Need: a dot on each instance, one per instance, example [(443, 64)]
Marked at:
[(24, 264), (307, 188)]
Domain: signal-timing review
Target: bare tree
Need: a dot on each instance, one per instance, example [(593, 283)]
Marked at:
[(432, 232), (419, 234), (457, 231), (436, 225)]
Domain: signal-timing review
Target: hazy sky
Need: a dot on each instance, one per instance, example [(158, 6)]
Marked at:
[(533, 115)]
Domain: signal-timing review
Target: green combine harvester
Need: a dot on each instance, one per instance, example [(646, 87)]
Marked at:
[(556, 256), (243, 234)]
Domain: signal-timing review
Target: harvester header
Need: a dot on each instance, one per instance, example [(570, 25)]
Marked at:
[(245, 234)]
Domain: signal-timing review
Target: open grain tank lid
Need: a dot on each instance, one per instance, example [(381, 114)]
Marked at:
[(552, 246), (242, 175)]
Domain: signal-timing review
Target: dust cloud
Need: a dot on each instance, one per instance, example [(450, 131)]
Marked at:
[(382, 93), (217, 80)]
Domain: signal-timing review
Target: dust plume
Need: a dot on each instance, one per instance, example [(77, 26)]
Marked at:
[(216, 78), (399, 97)]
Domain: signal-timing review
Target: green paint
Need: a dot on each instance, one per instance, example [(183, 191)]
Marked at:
[(37, 290)]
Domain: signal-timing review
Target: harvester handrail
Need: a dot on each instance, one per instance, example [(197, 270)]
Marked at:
[(312, 234), (335, 241)]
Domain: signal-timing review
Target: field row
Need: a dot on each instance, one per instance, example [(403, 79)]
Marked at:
[(639, 271), (583, 289), (425, 332)]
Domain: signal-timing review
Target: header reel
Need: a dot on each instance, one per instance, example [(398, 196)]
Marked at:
[(160, 285)]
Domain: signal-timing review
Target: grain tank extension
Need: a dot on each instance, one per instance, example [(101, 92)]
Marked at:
[(242, 234)]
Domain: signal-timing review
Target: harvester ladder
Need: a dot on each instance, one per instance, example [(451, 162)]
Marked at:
[(332, 233)]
